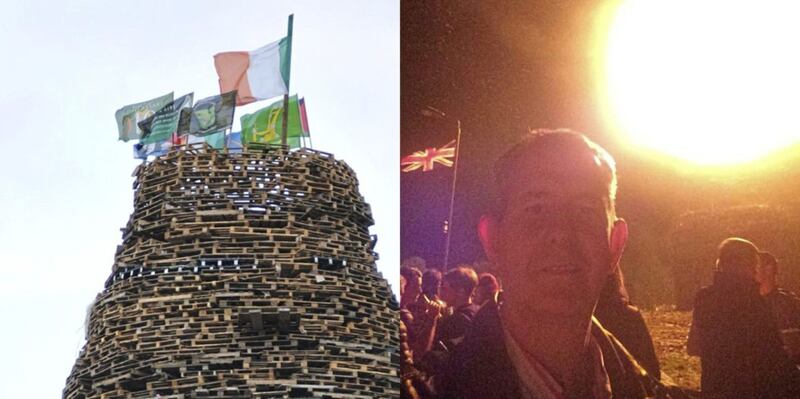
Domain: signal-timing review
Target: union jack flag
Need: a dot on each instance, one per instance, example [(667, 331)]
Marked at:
[(426, 158)]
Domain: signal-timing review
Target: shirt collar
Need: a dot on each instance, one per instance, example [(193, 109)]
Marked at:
[(537, 382)]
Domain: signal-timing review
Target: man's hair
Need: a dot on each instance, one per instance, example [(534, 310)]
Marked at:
[(736, 253), (489, 282), (430, 282), (562, 141), (410, 273), (462, 278)]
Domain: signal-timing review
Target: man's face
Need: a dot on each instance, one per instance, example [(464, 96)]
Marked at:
[(205, 117), (447, 293), (482, 294), (413, 286), (129, 126), (551, 246)]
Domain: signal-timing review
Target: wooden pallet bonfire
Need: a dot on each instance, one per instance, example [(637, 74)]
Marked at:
[(246, 275)]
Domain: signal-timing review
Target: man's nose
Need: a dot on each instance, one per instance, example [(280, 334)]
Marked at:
[(560, 231)]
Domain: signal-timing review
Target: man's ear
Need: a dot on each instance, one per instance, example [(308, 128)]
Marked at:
[(619, 236), (487, 232)]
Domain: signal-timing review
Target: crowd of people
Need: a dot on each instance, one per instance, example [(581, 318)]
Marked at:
[(553, 319), (437, 312)]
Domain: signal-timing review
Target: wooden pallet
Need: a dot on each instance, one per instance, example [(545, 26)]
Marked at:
[(243, 275)]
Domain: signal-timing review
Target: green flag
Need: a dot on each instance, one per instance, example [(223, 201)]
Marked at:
[(208, 115), (264, 125), (161, 125), (130, 115)]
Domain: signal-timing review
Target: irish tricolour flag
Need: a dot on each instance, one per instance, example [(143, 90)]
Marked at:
[(256, 75)]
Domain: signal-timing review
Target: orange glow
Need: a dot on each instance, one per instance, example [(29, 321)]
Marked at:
[(710, 82)]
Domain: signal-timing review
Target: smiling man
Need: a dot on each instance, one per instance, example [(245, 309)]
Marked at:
[(553, 240)]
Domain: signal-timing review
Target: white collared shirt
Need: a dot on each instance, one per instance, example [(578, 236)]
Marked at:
[(537, 382)]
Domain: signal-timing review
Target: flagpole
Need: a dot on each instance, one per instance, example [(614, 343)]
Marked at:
[(452, 198), (228, 131), (288, 81)]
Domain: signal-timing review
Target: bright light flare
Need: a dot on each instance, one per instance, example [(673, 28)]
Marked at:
[(712, 82)]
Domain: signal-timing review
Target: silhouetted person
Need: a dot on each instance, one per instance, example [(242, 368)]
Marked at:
[(431, 285), (625, 321), (553, 240), (413, 285), (487, 289), (784, 304), (414, 383), (419, 314), (457, 288), (735, 335)]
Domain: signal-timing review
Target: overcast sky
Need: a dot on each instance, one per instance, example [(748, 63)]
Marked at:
[(66, 180)]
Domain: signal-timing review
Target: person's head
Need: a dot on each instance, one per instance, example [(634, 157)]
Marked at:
[(487, 288), (738, 256), (128, 126), (431, 282), (554, 237), (413, 278), (767, 274), (458, 285), (205, 115)]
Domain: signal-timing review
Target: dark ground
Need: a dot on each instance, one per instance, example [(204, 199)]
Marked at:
[(669, 329)]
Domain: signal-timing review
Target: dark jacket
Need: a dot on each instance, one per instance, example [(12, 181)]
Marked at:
[(453, 327), (450, 332), (785, 306), (740, 350), (626, 323), (481, 369)]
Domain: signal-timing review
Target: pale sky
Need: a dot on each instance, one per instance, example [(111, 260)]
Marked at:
[(66, 180)]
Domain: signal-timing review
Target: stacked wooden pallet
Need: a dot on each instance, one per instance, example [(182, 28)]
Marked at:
[(245, 275)]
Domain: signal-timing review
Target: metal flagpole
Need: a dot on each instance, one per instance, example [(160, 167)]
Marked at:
[(288, 80), (449, 227)]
